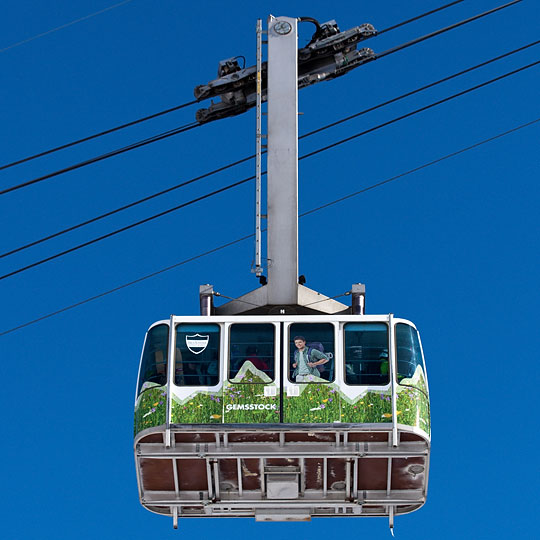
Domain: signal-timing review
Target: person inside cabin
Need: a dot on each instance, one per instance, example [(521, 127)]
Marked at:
[(179, 368), (385, 366), (160, 366), (353, 367), (305, 361), (252, 356), (383, 359)]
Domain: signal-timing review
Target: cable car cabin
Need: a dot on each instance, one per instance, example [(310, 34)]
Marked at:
[(282, 417)]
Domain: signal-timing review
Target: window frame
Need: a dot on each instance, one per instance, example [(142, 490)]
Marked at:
[(220, 346), (228, 352), (288, 335), (423, 364), (344, 363), (139, 391)]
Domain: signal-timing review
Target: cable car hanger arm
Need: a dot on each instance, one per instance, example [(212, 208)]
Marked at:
[(330, 54)]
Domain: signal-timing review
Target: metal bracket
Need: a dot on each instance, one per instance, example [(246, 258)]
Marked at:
[(358, 299), (206, 299)]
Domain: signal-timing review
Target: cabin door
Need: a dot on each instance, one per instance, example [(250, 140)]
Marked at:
[(251, 389), (309, 392)]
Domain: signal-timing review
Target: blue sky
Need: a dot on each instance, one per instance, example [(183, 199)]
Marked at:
[(453, 248)]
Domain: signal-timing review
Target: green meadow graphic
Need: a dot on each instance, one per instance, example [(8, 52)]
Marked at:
[(200, 408), (248, 399), (151, 407), (376, 407), (244, 398), (318, 402)]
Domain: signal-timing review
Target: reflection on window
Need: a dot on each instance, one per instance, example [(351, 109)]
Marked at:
[(251, 344), (409, 354), (311, 352), (153, 371), (197, 355), (366, 354)]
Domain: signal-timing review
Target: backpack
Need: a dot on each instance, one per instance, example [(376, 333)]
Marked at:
[(320, 347)]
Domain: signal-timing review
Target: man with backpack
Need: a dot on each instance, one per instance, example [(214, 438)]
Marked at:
[(306, 360)]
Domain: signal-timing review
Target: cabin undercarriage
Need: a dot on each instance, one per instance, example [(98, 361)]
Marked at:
[(281, 473)]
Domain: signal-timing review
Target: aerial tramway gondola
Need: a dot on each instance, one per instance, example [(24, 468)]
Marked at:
[(283, 404)]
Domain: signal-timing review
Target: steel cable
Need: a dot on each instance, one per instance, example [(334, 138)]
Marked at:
[(247, 237), (166, 111), (96, 135), (247, 158), (101, 157), (240, 182), (176, 108), (418, 17)]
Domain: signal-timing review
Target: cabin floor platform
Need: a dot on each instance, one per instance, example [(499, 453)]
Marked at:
[(281, 472)]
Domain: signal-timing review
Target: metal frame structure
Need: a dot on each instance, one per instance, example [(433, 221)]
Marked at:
[(283, 293)]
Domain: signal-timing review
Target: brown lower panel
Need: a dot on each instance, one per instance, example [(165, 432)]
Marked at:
[(152, 438), (192, 474), (408, 473), (253, 437), (157, 475), (310, 436), (251, 479), (368, 437), (195, 437), (372, 473), (313, 472), (405, 436), (336, 474)]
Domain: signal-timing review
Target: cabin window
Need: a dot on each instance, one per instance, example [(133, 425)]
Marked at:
[(197, 355), (366, 354), (409, 353), (153, 370), (311, 352), (251, 353)]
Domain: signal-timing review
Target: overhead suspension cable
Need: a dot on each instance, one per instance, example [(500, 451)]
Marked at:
[(172, 109), (125, 207), (443, 30), (421, 109), (96, 135), (166, 111), (128, 227), (418, 17), (245, 159), (420, 89), (86, 17), (247, 237), (240, 182), (101, 157)]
